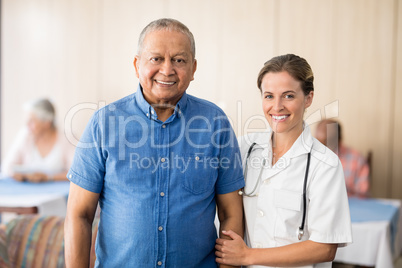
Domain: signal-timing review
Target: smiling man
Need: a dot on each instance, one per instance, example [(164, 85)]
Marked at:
[(159, 162)]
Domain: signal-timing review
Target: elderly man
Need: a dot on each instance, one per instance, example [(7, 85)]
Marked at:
[(159, 162)]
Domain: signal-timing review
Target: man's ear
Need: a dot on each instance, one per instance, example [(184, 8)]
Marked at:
[(136, 64), (194, 68)]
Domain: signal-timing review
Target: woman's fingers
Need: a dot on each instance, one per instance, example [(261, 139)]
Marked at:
[(229, 251), (231, 234)]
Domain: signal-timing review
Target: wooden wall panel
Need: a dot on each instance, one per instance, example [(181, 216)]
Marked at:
[(362, 80), (247, 42), (48, 50), (309, 34), (396, 149)]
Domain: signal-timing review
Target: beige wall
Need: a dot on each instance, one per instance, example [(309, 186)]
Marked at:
[(80, 52)]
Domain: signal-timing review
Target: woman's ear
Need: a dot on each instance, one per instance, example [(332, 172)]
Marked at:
[(309, 99)]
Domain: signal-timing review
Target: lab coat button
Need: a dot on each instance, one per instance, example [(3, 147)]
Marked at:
[(261, 213), (163, 159), (197, 158), (162, 194), (159, 263), (160, 228), (163, 126)]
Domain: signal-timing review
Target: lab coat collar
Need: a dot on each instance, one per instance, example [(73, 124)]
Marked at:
[(265, 142), (303, 144)]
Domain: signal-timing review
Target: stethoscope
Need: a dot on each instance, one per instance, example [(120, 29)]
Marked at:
[(253, 191)]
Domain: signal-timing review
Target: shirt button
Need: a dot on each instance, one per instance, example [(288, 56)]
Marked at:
[(160, 228), (159, 263), (70, 176), (163, 126), (163, 159), (152, 112), (147, 114), (162, 194), (197, 158), (260, 213)]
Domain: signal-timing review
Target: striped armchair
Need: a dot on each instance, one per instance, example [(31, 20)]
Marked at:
[(34, 241)]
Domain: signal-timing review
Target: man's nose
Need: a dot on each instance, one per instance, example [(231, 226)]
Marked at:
[(167, 68)]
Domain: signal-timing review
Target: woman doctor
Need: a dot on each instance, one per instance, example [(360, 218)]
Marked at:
[(285, 227)]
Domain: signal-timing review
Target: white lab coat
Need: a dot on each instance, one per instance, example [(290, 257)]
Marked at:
[(274, 216)]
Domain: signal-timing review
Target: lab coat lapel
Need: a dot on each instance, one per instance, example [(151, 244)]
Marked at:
[(302, 145)]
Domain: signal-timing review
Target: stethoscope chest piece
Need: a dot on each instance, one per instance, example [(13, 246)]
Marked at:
[(300, 233)]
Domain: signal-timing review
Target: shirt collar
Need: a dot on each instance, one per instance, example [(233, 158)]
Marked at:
[(149, 111)]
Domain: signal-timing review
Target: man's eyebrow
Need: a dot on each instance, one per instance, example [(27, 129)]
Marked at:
[(185, 54), (179, 54), (154, 53)]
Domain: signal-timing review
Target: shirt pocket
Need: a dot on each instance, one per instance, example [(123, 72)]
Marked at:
[(200, 173), (288, 206)]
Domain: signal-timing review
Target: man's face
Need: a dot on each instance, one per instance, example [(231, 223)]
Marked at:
[(165, 66)]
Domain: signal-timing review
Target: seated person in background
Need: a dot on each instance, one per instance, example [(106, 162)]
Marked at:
[(355, 166), (40, 153)]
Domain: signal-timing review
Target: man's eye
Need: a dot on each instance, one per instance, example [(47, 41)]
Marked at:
[(179, 61), (155, 59)]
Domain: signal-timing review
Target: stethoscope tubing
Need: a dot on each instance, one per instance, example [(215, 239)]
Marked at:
[(253, 194)]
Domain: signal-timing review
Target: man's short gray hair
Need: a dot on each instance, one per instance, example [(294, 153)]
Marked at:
[(166, 24)]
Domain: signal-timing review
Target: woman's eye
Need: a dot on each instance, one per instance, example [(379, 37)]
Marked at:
[(289, 96), (268, 96)]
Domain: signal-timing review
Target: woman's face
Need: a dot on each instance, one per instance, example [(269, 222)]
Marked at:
[(37, 126), (284, 102)]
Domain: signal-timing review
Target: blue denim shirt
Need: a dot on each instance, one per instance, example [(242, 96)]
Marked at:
[(157, 180)]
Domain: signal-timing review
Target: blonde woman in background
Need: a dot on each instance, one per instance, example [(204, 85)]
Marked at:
[(295, 202), (40, 153)]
